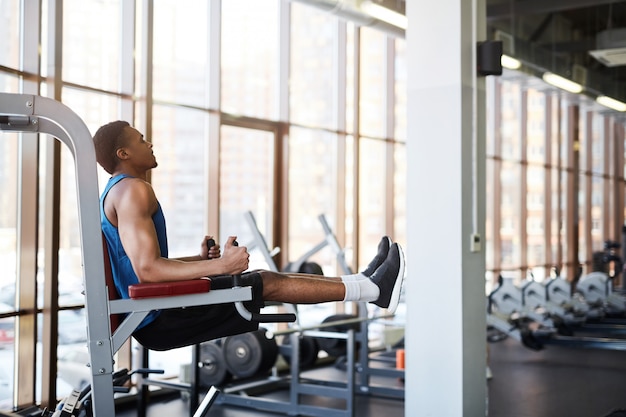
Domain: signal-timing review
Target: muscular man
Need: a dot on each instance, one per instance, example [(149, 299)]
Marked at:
[(135, 232)]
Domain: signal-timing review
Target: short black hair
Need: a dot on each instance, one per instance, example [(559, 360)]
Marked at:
[(107, 140)]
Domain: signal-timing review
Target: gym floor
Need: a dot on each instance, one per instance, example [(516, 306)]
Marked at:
[(554, 382)]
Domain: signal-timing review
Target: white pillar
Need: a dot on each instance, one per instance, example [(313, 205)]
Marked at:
[(445, 290)]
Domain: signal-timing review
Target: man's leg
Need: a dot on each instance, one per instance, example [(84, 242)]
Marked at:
[(382, 288)]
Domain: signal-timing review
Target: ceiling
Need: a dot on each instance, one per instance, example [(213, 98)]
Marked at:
[(583, 40)]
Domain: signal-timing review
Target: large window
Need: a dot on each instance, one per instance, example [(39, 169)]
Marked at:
[(270, 107), (549, 164)]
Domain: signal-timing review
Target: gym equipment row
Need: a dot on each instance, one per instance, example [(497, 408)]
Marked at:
[(539, 314)]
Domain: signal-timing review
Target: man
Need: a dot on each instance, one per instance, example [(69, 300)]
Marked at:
[(135, 231)]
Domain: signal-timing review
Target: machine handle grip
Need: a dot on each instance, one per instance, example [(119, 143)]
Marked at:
[(261, 318)]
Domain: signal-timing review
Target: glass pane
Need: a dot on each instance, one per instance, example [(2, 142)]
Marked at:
[(583, 225), (73, 372), (597, 213), (70, 249), (562, 224), (598, 152), (557, 219), (89, 57), (535, 220), (180, 138), (8, 218), (350, 185), (7, 351), (510, 121), (313, 67), (556, 139), (489, 218), (373, 83), (372, 198), (350, 81), (399, 194), (566, 114), (10, 17), (9, 143), (250, 57), (246, 186), (510, 212), (181, 59), (312, 180), (73, 357), (536, 128), (492, 88), (400, 90)]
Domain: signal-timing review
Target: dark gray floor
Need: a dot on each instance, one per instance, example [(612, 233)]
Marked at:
[(554, 382)]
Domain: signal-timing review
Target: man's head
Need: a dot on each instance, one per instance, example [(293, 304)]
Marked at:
[(122, 148), (107, 140)]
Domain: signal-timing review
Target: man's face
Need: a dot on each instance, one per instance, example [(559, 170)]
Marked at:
[(139, 149)]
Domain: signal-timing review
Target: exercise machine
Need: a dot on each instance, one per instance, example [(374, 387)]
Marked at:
[(596, 288), (518, 312), (105, 335)]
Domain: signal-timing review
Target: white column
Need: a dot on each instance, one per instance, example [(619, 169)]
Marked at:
[(445, 290)]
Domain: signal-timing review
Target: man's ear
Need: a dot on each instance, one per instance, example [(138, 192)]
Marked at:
[(121, 153)]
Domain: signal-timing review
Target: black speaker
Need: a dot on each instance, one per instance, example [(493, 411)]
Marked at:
[(488, 58)]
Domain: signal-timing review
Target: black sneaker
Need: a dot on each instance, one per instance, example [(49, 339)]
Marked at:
[(389, 278), (381, 255)]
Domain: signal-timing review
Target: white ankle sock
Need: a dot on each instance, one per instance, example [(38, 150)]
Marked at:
[(353, 277), (361, 290)]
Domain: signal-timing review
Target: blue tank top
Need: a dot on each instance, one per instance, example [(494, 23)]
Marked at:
[(121, 268)]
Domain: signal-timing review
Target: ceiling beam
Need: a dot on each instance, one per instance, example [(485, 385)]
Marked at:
[(513, 8)]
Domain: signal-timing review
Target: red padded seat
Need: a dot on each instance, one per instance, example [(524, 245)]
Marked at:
[(165, 289)]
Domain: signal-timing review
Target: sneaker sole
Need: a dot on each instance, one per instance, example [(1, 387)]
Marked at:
[(397, 287)]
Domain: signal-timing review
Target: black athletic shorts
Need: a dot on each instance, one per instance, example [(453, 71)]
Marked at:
[(178, 327)]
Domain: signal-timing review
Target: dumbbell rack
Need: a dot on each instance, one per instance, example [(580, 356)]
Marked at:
[(252, 394), (255, 393)]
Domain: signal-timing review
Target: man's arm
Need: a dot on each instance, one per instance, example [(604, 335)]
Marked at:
[(135, 203)]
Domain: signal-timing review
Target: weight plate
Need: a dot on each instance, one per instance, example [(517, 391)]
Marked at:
[(249, 354), (213, 369), (308, 350)]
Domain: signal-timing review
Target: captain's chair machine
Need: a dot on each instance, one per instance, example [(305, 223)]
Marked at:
[(30, 113)]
